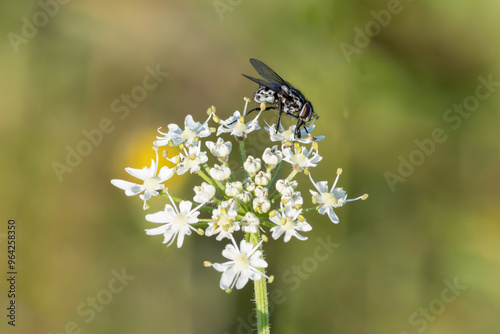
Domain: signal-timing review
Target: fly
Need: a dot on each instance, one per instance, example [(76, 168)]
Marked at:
[(281, 96)]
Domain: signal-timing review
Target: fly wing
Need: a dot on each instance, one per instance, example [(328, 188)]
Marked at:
[(267, 73), (261, 82)]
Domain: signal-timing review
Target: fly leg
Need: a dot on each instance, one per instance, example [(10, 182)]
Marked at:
[(258, 108), (280, 109)]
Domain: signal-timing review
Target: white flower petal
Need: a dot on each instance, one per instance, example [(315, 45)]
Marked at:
[(142, 173), (228, 277), (242, 280), (156, 230), (158, 217), (130, 188), (331, 214), (165, 173), (185, 206)]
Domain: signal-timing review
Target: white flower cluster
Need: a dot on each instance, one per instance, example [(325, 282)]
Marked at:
[(236, 209)]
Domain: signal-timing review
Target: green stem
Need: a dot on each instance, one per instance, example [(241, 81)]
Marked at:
[(178, 200), (292, 175), (217, 184), (309, 209), (276, 175), (231, 176), (200, 225), (261, 300), (243, 155)]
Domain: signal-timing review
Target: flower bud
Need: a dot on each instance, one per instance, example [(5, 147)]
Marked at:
[(261, 204), (252, 165), (220, 172), (260, 191), (262, 178), (233, 188)]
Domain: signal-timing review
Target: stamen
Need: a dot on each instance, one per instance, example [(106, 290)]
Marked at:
[(211, 110)]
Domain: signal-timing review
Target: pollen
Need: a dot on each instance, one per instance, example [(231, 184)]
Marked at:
[(211, 110)]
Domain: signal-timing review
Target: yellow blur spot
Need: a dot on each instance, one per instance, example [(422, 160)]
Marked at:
[(137, 153)]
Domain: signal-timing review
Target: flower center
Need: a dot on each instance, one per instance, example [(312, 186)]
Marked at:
[(241, 261), (299, 159), (180, 219), (151, 183), (288, 224), (189, 162), (239, 127), (188, 134), (225, 222), (287, 134), (329, 199)]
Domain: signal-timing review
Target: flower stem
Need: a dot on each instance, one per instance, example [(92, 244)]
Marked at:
[(261, 300), (231, 176), (215, 183), (276, 175), (310, 209), (178, 200), (292, 175), (243, 155)]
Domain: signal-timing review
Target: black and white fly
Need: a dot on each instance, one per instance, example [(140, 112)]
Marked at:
[(282, 97)]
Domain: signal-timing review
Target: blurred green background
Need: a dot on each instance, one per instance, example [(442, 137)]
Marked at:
[(397, 252)]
